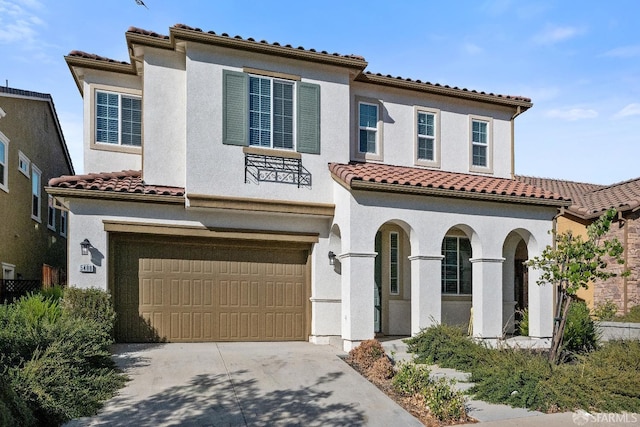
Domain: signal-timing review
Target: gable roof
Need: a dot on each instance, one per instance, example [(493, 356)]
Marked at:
[(402, 179), (126, 184), (180, 33), (592, 200), (27, 94)]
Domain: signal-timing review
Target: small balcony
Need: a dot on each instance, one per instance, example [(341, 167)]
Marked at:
[(286, 169)]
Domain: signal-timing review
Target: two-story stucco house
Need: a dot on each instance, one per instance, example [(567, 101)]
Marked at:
[(246, 190), (33, 231)]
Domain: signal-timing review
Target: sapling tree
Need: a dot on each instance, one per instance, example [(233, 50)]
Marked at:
[(572, 264)]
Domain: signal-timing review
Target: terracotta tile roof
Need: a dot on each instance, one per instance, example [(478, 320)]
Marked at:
[(591, 200), (129, 182), (435, 182), (85, 55)]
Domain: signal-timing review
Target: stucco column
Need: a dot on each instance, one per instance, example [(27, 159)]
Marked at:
[(426, 298), (541, 306), (487, 297), (358, 282)]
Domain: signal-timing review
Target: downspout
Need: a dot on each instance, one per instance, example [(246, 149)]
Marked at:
[(513, 141), (625, 297)]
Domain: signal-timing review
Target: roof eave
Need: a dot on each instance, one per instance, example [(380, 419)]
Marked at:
[(442, 90), (114, 195), (74, 62), (440, 192)]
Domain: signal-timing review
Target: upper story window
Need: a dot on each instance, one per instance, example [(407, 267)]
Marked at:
[(23, 164), (481, 144), (271, 113), (456, 266), (118, 119), (63, 223), (427, 144), (270, 110), (368, 128), (36, 177), (4, 155), (368, 145), (51, 214)]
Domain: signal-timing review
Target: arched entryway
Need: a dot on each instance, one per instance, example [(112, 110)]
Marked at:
[(515, 280)]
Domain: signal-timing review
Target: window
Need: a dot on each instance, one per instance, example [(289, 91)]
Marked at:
[(36, 177), (368, 128), (63, 223), (394, 287), (23, 164), (51, 213), (426, 136), (270, 110), (456, 267), (4, 173), (118, 119), (270, 113), (480, 155)]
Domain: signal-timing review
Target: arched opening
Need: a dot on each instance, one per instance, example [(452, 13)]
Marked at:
[(515, 289), (392, 273)]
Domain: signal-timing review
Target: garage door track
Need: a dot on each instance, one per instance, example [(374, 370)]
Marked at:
[(243, 384)]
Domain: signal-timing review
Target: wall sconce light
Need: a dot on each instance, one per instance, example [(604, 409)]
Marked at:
[(332, 258), (84, 246)]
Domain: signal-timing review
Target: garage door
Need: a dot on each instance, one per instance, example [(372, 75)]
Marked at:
[(182, 291)]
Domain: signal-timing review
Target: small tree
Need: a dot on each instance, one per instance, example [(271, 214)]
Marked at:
[(572, 264)]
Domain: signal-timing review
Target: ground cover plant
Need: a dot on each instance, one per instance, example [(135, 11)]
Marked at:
[(433, 402), (55, 363), (605, 379)]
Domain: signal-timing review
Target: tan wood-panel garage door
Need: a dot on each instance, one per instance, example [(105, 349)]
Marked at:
[(186, 291)]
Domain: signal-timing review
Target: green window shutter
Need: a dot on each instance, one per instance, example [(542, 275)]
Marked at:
[(308, 118), (235, 113)]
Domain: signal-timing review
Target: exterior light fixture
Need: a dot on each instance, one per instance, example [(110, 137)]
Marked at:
[(84, 246), (332, 258)]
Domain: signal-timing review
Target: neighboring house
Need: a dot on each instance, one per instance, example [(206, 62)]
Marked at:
[(32, 150), (246, 190), (590, 201)]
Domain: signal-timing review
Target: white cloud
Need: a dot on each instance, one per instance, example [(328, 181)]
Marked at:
[(572, 114), (472, 49), (628, 110), (554, 34), (624, 52), (19, 22)]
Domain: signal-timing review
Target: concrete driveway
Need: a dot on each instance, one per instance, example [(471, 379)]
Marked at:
[(243, 384)]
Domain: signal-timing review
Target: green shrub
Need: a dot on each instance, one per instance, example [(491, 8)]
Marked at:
[(13, 409), (446, 403), (448, 346), (411, 378), (580, 333), (90, 303), (633, 316), (605, 311), (523, 325), (55, 292)]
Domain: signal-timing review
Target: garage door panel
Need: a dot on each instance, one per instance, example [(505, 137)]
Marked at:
[(209, 293)]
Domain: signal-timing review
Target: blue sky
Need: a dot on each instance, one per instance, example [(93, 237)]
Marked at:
[(579, 61)]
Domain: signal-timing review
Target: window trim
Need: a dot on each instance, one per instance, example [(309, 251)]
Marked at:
[(36, 171), (4, 185), (436, 162), (397, 249), (11, 268), (51, 213), (103, 146), (23, 159), (294, 118), (379, 154), (489, 166)]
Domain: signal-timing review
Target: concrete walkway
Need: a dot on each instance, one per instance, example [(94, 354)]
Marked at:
[(244, 384), (493, 415)]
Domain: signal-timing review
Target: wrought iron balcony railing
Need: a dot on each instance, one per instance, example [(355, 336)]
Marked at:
[(266, 168)]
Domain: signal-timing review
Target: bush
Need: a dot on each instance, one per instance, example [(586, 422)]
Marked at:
[(366, 354), (411, 378), (580, 333), (448, 346), (633, 316), (382, 369), (446, 403), (90, 303), (523, 326), (605, 311), (54, 293)]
